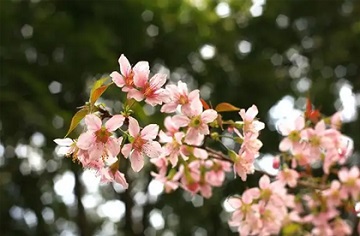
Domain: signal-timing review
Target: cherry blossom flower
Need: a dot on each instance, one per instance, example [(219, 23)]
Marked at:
[(173, 147), (334, 195), (197, 121), (141, 144), (125, 80), (350, 180), (179, 96), (98, 140), (291, 129), (250, 124), (151, 90), (113, 175)]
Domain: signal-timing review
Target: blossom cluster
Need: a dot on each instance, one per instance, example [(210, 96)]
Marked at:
[(181, 148), (313, 204), (187, 154)]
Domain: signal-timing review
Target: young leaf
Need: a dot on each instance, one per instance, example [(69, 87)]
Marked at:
[(204, 104), (98, 89), (224, 107), (97, 93), (77, 118)]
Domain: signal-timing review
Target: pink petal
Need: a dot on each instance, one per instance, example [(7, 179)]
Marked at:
[(285, 145), (169, 107), (120, 179), (96, 151), (158, 80), (200, 153), (300, 123), (93, 122), (135, 94), (125, 66), (117, 79), (208, 116), (113, 147), (181, 120), (150, 132), (183, 89), (196, 108), (235, 202), (134, 128), (252, 112), (86, 140), (193, 137), (141, 73), (194, 95), (264, 182), (152, 149), (114, 122), (126, 150), (137, 161)]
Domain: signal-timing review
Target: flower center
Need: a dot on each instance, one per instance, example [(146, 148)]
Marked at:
[(195, 122), (129, 80), (183, 100), (102, 135), (138, 143), (148, 90), (294, 136)]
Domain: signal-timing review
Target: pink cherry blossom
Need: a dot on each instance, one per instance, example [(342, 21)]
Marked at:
[(151, 90), (125, 80), (113, 175), (334, 195), (250, 124), (141, 144), (173, 147), (216, 174), (350, 180), (179, 96), (197, 121), (98, 140)]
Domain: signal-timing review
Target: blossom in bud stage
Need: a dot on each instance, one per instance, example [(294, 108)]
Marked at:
[(125, 80), (150, 90), (197, 122), (276, 162), (141, 144), (98, 139), (180, 96)]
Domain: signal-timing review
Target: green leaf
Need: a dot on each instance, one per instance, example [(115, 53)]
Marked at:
[(77, 118), (98, 89), (224, 107)]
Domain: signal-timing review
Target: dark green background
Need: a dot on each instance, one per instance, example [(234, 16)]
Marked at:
[(73, 42)]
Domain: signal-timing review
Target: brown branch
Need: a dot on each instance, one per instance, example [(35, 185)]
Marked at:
[(218, 155)]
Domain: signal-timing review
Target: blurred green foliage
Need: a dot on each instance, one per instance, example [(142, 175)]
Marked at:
[(50, 51)]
